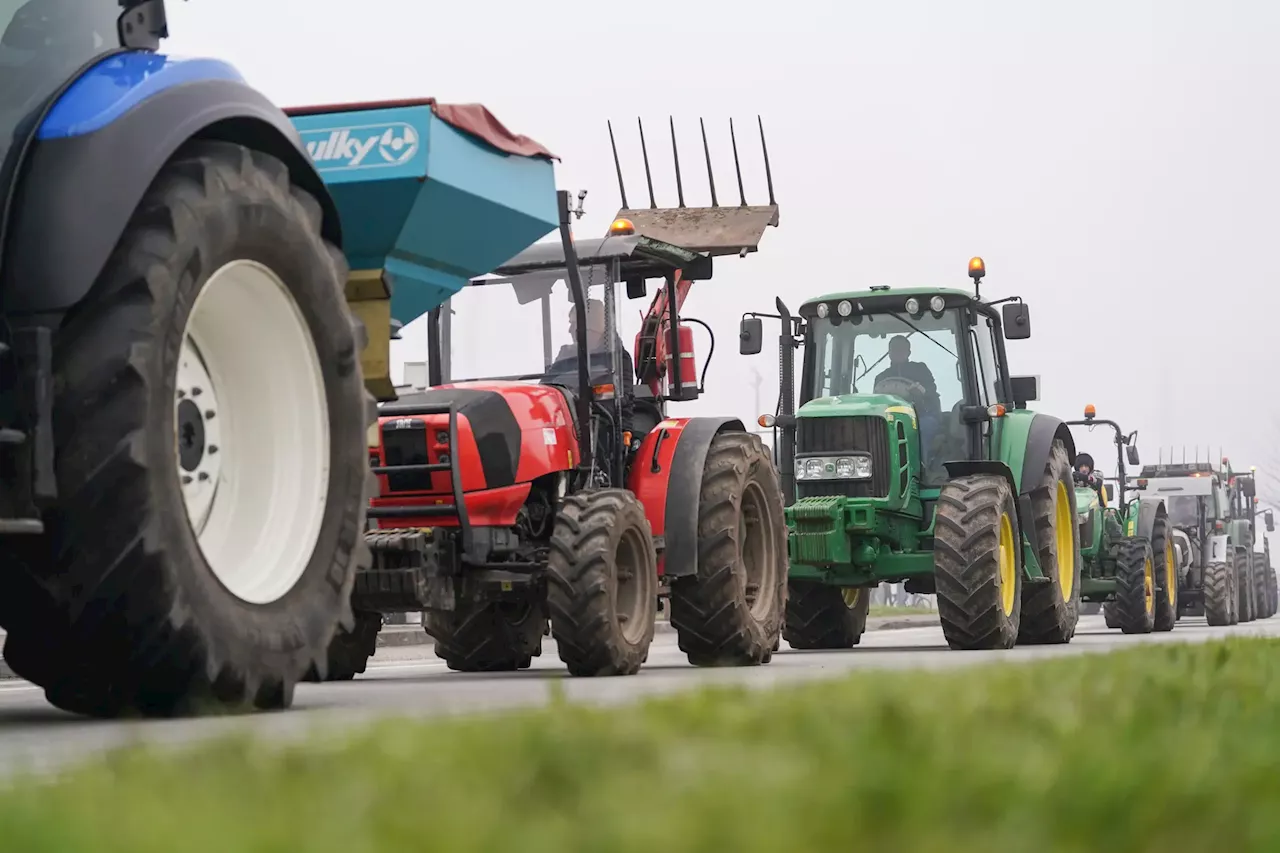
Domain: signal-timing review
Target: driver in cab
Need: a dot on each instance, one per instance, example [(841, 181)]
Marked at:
[(901, 367), (1086, 476)]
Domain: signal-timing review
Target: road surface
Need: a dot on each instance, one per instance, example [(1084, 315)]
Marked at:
[(410, 682)]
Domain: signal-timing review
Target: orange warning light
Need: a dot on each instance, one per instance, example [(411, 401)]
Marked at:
[(1090, 411), (977, 269), (621, 228)]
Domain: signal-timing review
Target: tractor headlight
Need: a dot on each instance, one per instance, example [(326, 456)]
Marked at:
[(937, 303), (913, 306), (823, 310), (853, 467)]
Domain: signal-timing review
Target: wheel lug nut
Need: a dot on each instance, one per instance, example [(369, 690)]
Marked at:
[(196, 392), (213, 448), (181, 394), (186, 480), (203, 476), (208, 414)]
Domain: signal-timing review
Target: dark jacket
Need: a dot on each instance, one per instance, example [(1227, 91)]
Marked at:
[(913, 371), (564, 371)]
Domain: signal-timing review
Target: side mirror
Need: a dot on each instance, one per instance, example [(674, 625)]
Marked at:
[(1016, 319), (636, 288), (1110, 492), (1026, 389), (750, 336), (1249, 487), (1131, 453), (1271, 521)]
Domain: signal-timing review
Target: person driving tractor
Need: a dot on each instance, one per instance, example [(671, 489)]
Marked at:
[(1086, 476), (599, 363), (901, 367)]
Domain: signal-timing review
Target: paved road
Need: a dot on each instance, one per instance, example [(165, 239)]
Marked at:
[(409, 682)]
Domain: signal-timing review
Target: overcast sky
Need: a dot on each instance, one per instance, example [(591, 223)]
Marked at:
[(1116, 163)]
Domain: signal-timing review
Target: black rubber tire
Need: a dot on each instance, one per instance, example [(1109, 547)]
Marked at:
[(1219, 594), (1244, 585), (1109, 615), (583, 577), (1135, 568), (140, 624), (1269, 581), (716, 619), (966, 563), (818, 617), (1261, 596), (489, 636), (1050, 613), (1166, 594), (349, 652)]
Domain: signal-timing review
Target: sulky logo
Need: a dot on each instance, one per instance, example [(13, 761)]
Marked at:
[(364, 147)]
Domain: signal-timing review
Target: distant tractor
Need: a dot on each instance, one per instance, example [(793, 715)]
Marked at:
[(913, 458), (1212, 561), (1130, 562), (1243, 497)]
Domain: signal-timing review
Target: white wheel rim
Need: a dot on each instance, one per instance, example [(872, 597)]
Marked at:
[(251, 428)]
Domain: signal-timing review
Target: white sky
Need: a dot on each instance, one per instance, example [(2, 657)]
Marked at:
[(1117, 164)]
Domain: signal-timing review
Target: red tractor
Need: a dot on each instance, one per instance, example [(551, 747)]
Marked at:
[(568, 497)]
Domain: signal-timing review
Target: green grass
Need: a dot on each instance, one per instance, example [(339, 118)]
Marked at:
[(1170, 748)]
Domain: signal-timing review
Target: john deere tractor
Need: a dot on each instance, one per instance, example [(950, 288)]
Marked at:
[(1130, 562), (912, 457)]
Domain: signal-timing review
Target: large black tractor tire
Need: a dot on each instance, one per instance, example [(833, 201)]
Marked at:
[(1050, 611), (602, 583), (976, 565), (820, 616), (133, 618), (1244, 586), (1166, 569), (350, 651), (1219, 594), (730, 611), (1269, 582), (1261, 595), (1135, 604), (489, 636)]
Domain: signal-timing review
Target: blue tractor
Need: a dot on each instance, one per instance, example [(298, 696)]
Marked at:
[(197, 292)]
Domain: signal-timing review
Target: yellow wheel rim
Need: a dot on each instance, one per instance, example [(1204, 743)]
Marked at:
[(1066, 542), (851, 596), (1008, 565), (1170, 574), (1149, 586)]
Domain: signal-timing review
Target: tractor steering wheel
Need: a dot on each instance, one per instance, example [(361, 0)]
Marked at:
[(899, 386)]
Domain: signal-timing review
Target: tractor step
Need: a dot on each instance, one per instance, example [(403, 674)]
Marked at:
[(12, 436), (21, 527), (1040, 580)]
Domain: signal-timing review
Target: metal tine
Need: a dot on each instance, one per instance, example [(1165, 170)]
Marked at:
[(737, 165), (768, 173), (675, 156), (617, 165), (706, 149), (648, 176)]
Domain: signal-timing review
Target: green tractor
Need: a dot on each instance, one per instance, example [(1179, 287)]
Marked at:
[(913, 458), (1257, 599), (1130, 561)]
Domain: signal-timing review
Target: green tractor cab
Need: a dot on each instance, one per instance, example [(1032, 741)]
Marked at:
[(913, 458), (1127, 544)]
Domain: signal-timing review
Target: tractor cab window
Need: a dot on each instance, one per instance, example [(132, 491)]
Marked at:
[(1184, 510), (522, 328), (43, 43), (982, 336), (914, 358)]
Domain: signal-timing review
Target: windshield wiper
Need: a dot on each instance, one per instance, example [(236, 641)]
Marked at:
[(921, 331)]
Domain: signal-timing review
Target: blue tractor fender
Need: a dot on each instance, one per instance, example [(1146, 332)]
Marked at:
[(102, 144)]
